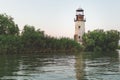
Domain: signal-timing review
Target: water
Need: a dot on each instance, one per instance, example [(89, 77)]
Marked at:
[(60, 66)]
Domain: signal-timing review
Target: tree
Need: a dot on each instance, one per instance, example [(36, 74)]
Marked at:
[(112, 39), (31, 39), (99, 40), (7, 25)]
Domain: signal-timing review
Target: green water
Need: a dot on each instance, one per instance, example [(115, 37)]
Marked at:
[(60, 66)]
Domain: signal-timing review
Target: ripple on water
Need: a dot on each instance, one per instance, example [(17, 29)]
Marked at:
[(102, 69)]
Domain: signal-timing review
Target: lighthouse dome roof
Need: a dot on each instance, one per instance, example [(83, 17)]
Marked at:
[(79, 9)]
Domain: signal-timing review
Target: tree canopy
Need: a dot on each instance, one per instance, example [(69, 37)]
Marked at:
[(100, 40), (31, 39), (7, 25)]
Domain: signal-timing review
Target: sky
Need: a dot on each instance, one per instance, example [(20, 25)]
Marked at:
[(56, 17)]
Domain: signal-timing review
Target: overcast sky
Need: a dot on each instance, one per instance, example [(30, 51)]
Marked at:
[(56, 17)]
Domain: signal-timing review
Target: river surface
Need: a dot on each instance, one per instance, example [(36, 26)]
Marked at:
[(60, 66)]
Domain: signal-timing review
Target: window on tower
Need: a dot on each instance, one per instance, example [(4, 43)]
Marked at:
[(79, 26), (79, 37)]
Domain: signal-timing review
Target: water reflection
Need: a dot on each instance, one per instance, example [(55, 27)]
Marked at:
[(102, 66), (38, 67), (79, 66), (60, 66), (8, 64)]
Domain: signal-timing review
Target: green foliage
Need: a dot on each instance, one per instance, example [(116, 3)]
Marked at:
[(36, 40), (7, 25), (10, 43), (31, 39), (99, 40)]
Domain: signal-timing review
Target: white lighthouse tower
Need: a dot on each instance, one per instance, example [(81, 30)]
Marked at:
[(79, 25)]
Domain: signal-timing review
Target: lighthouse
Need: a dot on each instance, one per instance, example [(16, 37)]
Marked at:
[(79, 25)]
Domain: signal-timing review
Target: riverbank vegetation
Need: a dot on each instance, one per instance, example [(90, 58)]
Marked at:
[(30, 39), (100, 40)]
